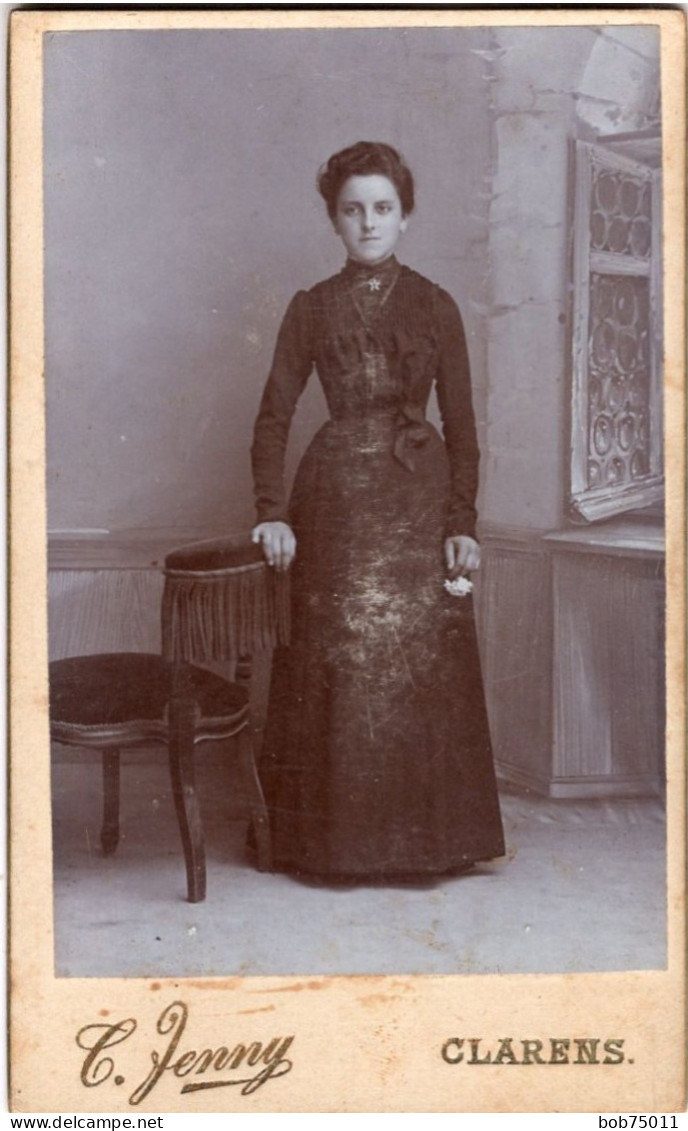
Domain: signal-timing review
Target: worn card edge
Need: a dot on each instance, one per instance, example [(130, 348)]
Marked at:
[(414, 1015)]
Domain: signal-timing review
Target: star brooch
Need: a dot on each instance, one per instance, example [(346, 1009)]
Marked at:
[(374, 284)]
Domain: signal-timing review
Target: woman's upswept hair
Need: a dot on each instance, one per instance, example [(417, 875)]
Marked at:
[(365, 158)]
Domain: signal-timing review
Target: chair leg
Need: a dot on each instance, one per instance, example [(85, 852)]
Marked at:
[(259, 813), (182, 716), (109, 833)]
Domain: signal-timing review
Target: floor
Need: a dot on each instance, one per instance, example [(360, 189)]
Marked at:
[(581, 889)]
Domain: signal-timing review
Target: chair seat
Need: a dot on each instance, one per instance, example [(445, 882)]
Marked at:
[(122, 700), (115, 688)]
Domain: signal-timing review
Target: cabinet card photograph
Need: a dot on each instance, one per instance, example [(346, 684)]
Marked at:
[(347, 560)]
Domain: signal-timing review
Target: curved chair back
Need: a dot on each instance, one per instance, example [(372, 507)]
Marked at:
[(221, 602)]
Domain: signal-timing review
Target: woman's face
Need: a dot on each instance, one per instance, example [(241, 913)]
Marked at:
[(369, 218)]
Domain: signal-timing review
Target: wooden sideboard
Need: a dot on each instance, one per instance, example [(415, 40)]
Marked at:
[(572, 629)]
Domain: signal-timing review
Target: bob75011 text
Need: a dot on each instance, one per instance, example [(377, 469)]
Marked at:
[(641, 1122)]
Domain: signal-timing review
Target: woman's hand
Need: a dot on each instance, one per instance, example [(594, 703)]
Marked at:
[(278, 542), (462, 554)]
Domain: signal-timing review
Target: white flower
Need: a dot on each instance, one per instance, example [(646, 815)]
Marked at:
[(459, 587)]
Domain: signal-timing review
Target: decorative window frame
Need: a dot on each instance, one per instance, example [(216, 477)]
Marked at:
[(586, 502)]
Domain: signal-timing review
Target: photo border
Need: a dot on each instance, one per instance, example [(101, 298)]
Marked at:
[(364, 1043)]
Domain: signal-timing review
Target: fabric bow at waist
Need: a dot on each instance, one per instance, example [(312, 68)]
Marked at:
[(412, 431), (405, 427)]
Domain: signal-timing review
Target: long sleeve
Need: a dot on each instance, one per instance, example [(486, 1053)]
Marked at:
[(458, 421), (291, 367)]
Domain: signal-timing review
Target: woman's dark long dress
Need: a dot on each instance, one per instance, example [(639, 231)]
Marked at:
[(377, 756)]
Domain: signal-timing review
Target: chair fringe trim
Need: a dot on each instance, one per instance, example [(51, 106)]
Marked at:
[(210, 617)]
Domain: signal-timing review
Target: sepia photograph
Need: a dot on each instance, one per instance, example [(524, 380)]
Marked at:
[(353, 407), (496, 243)]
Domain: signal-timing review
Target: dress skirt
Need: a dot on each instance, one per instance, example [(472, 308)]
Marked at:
[(377, 759)]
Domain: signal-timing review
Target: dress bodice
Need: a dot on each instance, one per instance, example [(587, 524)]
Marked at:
[(375, 350), (369, 356)]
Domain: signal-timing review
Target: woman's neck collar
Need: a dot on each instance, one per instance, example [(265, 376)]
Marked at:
[(387, 266)]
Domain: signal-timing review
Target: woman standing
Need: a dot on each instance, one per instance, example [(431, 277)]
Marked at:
[(377, 757)]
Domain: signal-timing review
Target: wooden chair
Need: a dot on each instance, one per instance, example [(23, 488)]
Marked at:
[(220, 604)]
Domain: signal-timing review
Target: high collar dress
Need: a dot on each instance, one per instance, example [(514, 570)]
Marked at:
[(376, 757)]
